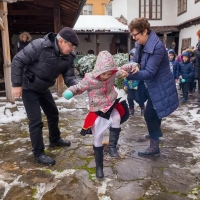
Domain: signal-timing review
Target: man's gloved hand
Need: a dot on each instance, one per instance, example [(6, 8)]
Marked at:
[(67, 94)]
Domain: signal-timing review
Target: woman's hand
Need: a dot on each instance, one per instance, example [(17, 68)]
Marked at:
[(135, 70), (123, 73)]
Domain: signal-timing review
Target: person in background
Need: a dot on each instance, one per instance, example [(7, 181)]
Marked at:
[(24, 40), (90, 52), (174, 62), (131, 86), (186, 74), (159, 81), (179, 58), (196, 52), (192, 87)]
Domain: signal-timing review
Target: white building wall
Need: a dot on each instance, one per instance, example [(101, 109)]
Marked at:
[(169, 12), (132, 10), (193, 11), (189, 33), (84, 46), (119, 7), (105, 41), (169, 17)]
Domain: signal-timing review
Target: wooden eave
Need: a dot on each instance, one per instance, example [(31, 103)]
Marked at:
[(37, 16), (84, 32), (189, 23), (162, 29)]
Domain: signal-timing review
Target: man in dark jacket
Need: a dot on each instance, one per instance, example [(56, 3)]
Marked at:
[(33, 71)]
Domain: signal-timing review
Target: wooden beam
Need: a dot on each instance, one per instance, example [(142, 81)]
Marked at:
[(30, 12), (1, 24), (29, 22), (6, 52), (14, 1), (31, 30), (56, 15), (57, 26), (97, 44), (129, 41), (46, 3), (26, 25)]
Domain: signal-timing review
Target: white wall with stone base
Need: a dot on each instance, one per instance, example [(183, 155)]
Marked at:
[(189, 33)]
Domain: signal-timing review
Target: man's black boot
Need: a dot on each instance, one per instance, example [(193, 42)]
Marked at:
[(153, 149), (98, 153), (113, 139), (60, 142), (44, 159)]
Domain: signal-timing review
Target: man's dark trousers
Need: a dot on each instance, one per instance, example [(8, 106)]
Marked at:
[(32, 102)]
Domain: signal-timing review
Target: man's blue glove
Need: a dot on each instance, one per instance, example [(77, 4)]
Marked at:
[(67, 94)]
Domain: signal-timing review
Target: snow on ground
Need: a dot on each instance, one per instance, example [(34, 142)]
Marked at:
[(7, 116)]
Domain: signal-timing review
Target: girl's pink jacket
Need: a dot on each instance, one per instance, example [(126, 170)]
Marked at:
[(101, 94)]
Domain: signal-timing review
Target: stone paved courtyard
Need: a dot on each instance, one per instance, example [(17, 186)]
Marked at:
[(174, 175)]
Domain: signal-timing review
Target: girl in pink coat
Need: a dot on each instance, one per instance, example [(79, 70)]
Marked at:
[(105, 109)]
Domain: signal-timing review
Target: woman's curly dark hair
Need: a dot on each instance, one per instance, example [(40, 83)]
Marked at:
[(139, 24)]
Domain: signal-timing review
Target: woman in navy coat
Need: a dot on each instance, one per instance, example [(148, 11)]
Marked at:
[(159, 81)]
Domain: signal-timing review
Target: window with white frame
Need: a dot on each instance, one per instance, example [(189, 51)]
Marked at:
[(151, 9), (182, 6), (87, 10), (108, 9)]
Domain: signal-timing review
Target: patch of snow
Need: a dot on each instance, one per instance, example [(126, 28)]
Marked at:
[(64, 173), (192, 196), (99, 22), (10, 105), (16, 116), (62, 109), (62, 99), (174, 166), (9, 186), (121, 94), (19, 150), (102, 189), (104, 198), (13, 141)]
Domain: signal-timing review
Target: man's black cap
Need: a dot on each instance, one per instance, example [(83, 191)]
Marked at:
[(68, 34)]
